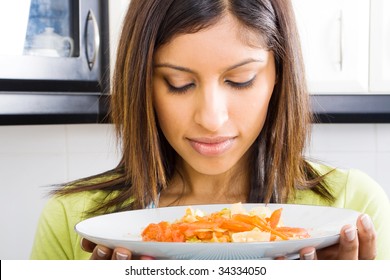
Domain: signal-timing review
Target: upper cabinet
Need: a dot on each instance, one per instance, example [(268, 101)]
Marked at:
[(335, 43), (345, 45), (117, 11), (380, 46)]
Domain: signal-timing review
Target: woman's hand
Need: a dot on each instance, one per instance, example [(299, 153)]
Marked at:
[(100, 252), (354, 244)]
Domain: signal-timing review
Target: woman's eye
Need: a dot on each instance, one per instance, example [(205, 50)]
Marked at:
[(242, 85), (179, 90)]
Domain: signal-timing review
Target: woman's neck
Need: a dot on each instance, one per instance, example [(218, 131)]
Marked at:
[(189, 187)]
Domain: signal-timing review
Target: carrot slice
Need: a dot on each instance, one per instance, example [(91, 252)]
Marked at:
[(275, 218), (236, 225), (260, 223)]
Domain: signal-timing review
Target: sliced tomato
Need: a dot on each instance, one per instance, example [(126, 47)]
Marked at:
[(157, 232)]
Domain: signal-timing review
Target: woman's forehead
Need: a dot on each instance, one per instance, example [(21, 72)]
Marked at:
[(227, 32)]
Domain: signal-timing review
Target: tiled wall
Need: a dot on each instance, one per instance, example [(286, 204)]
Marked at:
[(362, 146), (33, 157)]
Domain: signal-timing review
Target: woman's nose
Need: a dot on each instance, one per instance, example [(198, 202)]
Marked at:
[(212, 109)]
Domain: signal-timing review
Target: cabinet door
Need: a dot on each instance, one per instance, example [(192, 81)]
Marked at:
[(335, 43), (117, 11), (380, 46)]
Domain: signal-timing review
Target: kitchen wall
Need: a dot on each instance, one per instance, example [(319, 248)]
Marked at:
[(34, 157)]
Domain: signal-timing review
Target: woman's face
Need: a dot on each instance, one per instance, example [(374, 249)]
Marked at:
[(211, 93)]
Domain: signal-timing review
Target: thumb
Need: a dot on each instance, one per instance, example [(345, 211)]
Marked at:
[(349, 243)]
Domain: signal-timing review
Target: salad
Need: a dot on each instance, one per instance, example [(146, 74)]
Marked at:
[(233, 224)]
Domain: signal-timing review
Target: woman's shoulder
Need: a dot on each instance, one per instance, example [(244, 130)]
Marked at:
[(76, 204), (351, 187), (55, 237), (77, 201), (356, 190)]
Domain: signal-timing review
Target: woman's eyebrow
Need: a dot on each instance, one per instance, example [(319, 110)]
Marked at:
[(242, 63), (179, 68), (188, 70)]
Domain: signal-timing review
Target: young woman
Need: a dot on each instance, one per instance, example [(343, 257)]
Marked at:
[(210, 104)]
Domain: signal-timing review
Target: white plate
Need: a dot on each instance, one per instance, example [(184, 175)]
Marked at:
[(123, 229)]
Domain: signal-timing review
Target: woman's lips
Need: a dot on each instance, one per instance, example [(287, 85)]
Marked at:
[(211, 146)]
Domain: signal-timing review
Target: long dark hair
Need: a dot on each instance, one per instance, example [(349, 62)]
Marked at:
[(148, 160)]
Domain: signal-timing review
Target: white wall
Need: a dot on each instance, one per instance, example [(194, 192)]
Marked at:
[(361, 146), (33, 157)]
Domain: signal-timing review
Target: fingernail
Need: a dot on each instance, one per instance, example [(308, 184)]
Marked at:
[(309, 255), (81, 244), (366, 221), (146, 258), (101, 253), (350, 233), (120, 256)]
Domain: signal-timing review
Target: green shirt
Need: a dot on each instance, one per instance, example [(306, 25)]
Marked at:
[(56, 238)]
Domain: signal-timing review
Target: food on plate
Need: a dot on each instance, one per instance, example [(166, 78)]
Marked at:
[(234, 224)]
